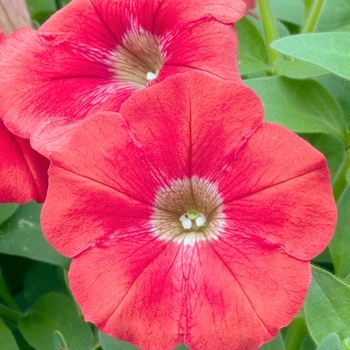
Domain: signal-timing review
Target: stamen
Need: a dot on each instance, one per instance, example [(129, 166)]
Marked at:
[(186, 222), (175, 219), (200, 220), (151, 76)]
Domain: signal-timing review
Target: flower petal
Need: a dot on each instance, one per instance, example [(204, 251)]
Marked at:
[(40, 96), (102, 169), (208, 46), (152, 149), (274, 192), (134, 278), (190, 123), (23, 171), (229, 294), (159, 16)]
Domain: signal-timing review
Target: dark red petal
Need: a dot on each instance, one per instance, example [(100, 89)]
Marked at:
[(23, 171), (277, 189)]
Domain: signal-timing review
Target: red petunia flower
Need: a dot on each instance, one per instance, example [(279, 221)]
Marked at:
[(188, 219), (93, 54), (23, 171), (251, 4)]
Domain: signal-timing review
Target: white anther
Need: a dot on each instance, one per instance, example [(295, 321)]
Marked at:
[(186, 222), (151, 76), (200, 220)]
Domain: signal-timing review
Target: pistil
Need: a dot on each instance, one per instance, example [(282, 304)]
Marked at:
[(192, 220)]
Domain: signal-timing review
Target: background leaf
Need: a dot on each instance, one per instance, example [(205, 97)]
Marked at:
[(301, 106), (58, 341), (7, 340), (335, 14), (110, 343), (331, 342), (340, 244), (252, 50), (327, 306), (332, 148), (340, 89), (6, 210), (55, 312), (276, 344), (21, 235), (297, 69), (327, 50), (288, 11)]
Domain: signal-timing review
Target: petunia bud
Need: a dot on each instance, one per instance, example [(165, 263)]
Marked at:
[(14, 14)]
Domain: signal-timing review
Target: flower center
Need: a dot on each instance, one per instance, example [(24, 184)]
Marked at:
[(188, 211), (138, 59)]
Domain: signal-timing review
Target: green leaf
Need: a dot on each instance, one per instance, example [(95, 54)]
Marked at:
[(109, 343), (301, 106), (21, 235), (331, 342), (6, 210), (335, 14), (5, 294), (308, 343), (42, 279), (297, 69), (327, 306), (252, 51), (339, 247), (288, 11), (55, 312), (41, 5), (340, 89), (332, 148), (7, 340), (58, 341), (276, 344), (327, 50)]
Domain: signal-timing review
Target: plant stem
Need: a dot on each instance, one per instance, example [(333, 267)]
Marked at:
[(9, 315), (5, 294), (270, 31), (314, 14), (59, 4), (307, 9), (340, 182), (97, 347), (296, 333)]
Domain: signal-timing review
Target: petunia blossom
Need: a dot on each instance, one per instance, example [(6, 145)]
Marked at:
[(189, 220), (23, 171), (251, 4), (93, 54)]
